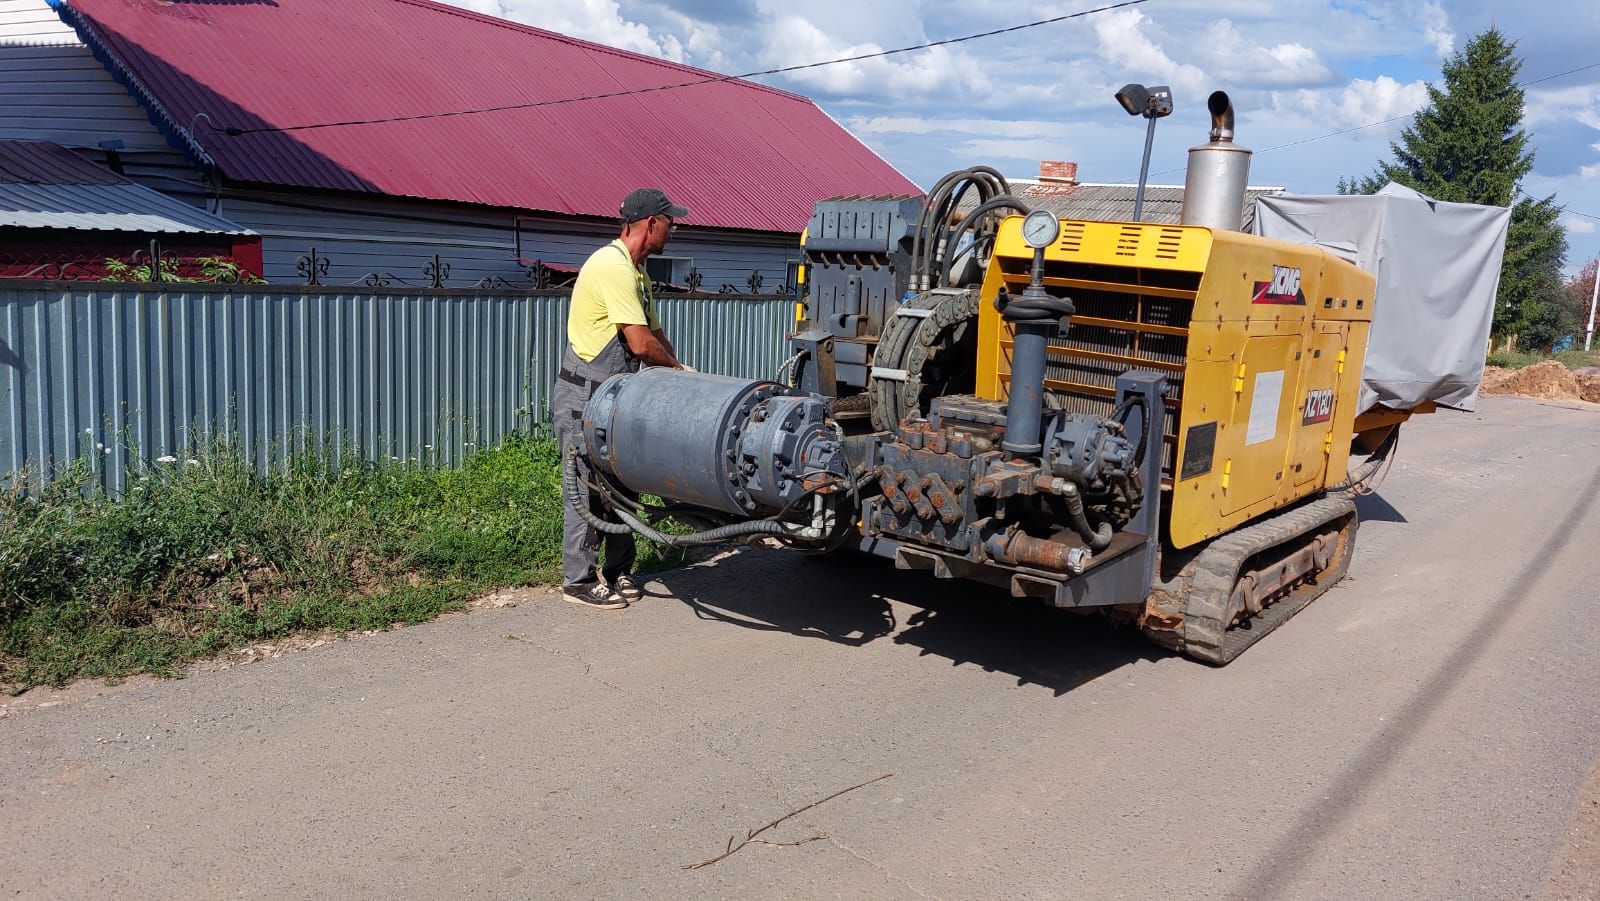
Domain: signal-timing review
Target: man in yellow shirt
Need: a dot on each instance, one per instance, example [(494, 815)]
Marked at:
[(611, 328)]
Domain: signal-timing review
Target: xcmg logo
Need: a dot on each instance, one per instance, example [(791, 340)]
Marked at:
[(1284, 287)]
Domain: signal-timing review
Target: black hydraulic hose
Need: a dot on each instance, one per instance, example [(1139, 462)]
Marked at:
[(994, 204), (1120, 415), (939, 208), (972, 224), (1098, 539), (630, 523), (1017, 309)]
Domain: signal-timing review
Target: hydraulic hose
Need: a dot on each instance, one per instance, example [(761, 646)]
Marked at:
[(631, 523), (939, 209), (1366, 478), (1120, 414), (1002, 202), (1041, 309), (1098, 539)]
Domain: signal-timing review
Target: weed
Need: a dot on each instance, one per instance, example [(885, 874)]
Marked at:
[(204, 554), (1572, 359)]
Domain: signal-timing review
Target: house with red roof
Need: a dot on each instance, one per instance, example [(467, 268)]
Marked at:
[(381, 133)]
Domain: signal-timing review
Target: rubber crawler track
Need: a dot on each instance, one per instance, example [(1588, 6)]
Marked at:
[(1191, 614)]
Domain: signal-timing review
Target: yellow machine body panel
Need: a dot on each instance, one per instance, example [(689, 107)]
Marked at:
[(1262, 343)]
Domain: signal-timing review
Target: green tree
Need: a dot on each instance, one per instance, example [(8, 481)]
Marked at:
[(1467, 146)]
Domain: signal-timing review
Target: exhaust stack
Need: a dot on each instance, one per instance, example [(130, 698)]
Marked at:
[(1213, 190)]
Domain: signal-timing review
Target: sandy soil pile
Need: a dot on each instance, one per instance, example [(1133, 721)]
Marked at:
[(1549, 380)]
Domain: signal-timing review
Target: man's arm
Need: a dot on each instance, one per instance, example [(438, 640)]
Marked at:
[(649, 348), (662, 337)]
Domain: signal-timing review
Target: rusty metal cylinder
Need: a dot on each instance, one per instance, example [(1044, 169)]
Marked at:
[(734, 445)]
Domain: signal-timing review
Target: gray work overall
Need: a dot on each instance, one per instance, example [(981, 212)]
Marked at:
[(575, 383)]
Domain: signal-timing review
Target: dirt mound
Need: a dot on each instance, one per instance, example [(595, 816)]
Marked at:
[(1588, 385), (1549, 380)]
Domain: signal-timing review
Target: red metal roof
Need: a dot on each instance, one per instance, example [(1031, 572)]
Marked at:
[(738, 154)]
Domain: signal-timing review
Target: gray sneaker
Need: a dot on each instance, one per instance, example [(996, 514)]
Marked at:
[(597, 596), (628, 586)]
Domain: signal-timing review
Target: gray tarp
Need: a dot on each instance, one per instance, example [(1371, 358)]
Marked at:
[(1437, 266)]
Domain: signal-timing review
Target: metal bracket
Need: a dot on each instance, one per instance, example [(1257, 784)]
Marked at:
[(815, 371)]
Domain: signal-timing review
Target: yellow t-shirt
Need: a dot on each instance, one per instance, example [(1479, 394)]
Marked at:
[(610, 292)]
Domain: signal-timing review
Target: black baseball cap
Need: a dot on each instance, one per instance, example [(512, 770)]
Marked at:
[(646, 202)]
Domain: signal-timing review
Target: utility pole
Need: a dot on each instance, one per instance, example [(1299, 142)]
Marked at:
[(1594, 296)]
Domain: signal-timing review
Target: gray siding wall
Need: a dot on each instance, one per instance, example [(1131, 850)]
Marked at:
[(32, 22), (53, 89), (395, 237)]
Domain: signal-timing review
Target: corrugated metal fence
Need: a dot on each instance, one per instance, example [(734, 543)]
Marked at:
[(113, 373)]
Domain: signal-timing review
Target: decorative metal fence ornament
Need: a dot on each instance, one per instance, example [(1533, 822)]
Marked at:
[(154, 256), (312, 268), (438, 270)]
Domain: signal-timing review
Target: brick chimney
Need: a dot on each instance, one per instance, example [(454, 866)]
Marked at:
[(1056, 172)]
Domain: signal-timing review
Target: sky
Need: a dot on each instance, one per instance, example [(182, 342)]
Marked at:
[(1297, 70)]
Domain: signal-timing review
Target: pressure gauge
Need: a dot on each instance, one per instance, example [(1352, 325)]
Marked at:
[(1041, 229)]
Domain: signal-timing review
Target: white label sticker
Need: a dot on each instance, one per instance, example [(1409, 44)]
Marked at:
[(1264, 401)]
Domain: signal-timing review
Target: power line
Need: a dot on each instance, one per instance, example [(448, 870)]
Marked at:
[(715, 79), (1560, 207)]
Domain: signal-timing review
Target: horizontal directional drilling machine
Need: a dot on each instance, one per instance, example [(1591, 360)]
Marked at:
[(1151, 420)]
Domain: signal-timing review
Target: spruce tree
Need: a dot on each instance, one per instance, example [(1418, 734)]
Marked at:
[(1467, 146)]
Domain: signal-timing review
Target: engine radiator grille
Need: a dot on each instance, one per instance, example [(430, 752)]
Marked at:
[(1127, 318)]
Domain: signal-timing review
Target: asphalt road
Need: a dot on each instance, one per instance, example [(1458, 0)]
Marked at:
[(1425, 730)]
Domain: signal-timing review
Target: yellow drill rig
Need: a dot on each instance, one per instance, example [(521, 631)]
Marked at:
[(1151, 420)]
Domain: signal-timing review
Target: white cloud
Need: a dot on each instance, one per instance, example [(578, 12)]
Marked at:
[(1363, 101), (1578, 224), (1234, 57), (1124, 42), (1590, 173), (939, 71), (600, 21), (1561, 104), (1436, 29)]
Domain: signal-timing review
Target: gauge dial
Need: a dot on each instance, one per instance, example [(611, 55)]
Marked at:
[(1041, 228)]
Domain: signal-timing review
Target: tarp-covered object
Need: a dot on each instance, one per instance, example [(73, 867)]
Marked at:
[(1437, 266)]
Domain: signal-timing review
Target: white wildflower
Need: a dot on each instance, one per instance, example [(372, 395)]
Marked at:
[(192, 461), (168, 458)]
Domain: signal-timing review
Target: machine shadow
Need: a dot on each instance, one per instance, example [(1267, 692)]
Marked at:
[(847, 599), (1374, 508)]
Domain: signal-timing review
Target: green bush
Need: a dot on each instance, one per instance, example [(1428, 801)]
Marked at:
[(201, 555), (1572, 359)]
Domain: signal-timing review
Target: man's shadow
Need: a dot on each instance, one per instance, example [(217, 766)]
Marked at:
[(846, 598)]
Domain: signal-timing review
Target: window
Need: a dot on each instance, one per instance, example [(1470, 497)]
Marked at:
[(668, 270)]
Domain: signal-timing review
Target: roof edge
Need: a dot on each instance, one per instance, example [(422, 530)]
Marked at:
[(122, 73), (868, 148), (592, 45)]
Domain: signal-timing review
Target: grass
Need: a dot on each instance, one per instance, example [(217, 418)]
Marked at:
[(204, 555), (1572, 359)]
